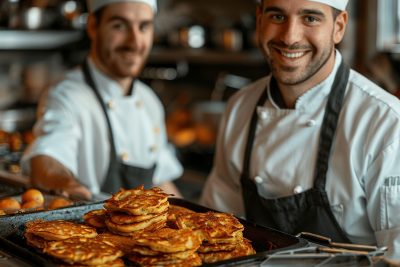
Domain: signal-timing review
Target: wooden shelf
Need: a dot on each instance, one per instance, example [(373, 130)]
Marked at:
[(205, 56)]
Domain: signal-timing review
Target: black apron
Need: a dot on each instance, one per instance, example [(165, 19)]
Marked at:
[(310, 210), (119, 175)]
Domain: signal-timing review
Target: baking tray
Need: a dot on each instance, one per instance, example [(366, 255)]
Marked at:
[(266, 241)]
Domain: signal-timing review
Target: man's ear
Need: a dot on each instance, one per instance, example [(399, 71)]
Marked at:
[(91, 26), (259, 14), (340, 26)]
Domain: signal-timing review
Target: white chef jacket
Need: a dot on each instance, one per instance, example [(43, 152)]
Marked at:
[(73, 129), (363, 178)]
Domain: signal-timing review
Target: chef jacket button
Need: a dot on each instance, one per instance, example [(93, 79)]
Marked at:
[(153, 148), (258, 179), (311, 123), (298, 189), (124, 156), (157, 130), (263, 115), (139, 104), (111, 104)]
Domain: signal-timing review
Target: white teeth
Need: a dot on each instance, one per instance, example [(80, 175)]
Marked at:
[(292, 55)]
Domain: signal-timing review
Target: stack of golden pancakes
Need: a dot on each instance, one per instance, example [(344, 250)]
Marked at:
[(166, 247), (39, 233), (222, 235), (143, 227), (137, 209)]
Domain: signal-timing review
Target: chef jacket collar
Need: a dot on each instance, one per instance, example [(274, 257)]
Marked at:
[(109, 88), (321, 91), (316, 95)]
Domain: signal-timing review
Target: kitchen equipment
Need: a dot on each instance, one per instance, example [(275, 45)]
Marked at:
[(313, 256), (229, 39), (34, 18), (321, 251), (266, 241), (12, 11), (17, 119), (341, 247), (72, 14), (194, 36)]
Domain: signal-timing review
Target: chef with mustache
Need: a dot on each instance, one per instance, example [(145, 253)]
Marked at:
[(314, 146), (102, 129)]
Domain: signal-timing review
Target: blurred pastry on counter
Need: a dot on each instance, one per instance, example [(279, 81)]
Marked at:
[(184, 131), (33, 195), (184, 137), (2, 212), (16, 142), (177, 120), (9, 204), (205, 134), (4, 137), (12, 145), (59, 202), (32, 199), (31, 205)]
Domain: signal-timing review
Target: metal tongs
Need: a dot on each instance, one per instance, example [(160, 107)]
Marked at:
[(328, 246)]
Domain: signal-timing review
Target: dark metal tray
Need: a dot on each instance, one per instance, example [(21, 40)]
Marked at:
[(265, 241)]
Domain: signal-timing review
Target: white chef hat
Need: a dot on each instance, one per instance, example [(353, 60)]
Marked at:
[(94, 5), (338, 4)]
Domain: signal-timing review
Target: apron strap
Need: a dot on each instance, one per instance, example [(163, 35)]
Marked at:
[(89, 80), (251, 135), (109, 181), (119, 175), (329, 124)]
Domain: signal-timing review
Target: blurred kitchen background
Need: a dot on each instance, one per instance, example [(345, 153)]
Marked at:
[(204, 52)]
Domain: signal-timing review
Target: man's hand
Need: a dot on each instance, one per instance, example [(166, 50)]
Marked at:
[(77, 191), (49, 174)]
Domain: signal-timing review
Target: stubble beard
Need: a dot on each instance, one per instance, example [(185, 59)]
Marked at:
[(113, 65), (287, 75)]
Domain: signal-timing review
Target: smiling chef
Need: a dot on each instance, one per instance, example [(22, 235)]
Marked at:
[(314, 146), (101, 128)]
